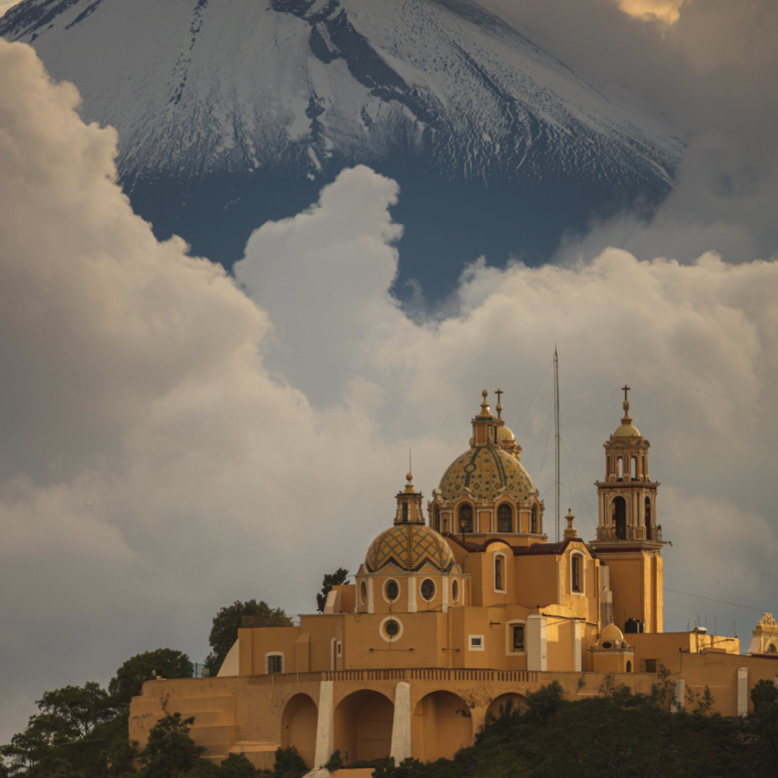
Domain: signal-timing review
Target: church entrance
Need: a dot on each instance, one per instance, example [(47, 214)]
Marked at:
[(363, 726), (298, 726), (620, 517), (441, 726)]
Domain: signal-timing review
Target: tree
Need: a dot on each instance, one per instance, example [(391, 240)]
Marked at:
[(130, 677), (227, 622), (237, 766), (76, 710), (170, 751), (764, 695), (338, 578)]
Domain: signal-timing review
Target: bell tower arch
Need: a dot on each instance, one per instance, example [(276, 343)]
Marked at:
[(629, 539)]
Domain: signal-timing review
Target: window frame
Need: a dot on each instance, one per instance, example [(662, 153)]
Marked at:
[(480, 647), (509, 626), (581, 590), (385, 594), (469, 507), (499, 557), (502, 507), (275, 655), (421, 590)]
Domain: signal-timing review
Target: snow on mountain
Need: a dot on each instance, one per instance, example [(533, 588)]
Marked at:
[(239, 110)]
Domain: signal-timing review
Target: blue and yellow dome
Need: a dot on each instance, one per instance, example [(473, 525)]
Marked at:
[(410, 547), (485, 470)]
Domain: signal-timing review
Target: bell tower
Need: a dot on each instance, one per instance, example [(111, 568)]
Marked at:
[(629, 538)]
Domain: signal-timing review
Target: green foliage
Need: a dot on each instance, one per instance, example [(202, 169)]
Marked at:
[(226, 623), (336, 761), (170, 752), (617, 734), (204, 768), (73, 711), (289, 763), (764, 695), (338, 578), (130, 677), (237, 766)]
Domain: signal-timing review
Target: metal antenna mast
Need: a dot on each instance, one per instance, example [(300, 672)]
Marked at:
[(556, 438)]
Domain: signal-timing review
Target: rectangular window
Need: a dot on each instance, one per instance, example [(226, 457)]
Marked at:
[(650, 665), (275, 663), (576, 573), (518, 637), (498, 573), (476, 642)]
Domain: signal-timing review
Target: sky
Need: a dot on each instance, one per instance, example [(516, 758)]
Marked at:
[(167, 441)]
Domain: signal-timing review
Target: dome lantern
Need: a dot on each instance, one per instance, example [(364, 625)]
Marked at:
[(409, 507)]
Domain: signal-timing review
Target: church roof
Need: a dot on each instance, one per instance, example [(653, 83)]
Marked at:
[(485, 470), (535, 549), (409, 547)]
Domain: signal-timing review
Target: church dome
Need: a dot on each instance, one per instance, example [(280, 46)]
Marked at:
[(627, 431), (410, 547), (611, 637), (505, 433), (485, 470)]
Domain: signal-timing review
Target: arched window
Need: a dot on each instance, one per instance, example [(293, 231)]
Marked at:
[(499, 573), (437, 518), (504, 518), (647, 505), (621, 468), (575, 562), (405, 511), (533, 522), (620, 517), (629, 666), (466, 518), (634, 468)]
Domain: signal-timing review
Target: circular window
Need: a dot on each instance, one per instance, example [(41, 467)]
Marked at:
[(455, 591), (392, 628), (392, 590), (428, 589), (363, 592), (606, 644)]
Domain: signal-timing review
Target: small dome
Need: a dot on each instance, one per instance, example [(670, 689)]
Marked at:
[(612, 632), (410, 547), (612, 638), (485, 470), (505, 433), (627, 431)]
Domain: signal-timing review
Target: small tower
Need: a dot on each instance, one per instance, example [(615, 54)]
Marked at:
[(409, 508), (628, 536)]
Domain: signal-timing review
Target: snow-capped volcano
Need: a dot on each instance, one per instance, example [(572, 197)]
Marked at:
[(236, 111)]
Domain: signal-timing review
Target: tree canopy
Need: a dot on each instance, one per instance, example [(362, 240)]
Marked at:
[(227, 621), (338, 578), (129, 678)]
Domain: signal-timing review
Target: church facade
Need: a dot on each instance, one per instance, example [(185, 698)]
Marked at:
[(456, 610)]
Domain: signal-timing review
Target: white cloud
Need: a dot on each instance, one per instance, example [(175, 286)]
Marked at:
[(152, 467)]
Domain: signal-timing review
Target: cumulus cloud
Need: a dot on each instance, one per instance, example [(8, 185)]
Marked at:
[(170, 441)]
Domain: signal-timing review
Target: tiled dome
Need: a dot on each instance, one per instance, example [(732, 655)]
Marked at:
[(485, 470), (410, 547)]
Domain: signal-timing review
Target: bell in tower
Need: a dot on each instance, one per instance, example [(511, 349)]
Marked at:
[(629, 538)]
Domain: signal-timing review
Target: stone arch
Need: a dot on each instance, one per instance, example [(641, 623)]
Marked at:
[(442, 724), (363, 725), (517, 702), (298, 726)]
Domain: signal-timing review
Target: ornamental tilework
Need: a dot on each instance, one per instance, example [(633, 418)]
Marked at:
[(485, 470), (409, 547)]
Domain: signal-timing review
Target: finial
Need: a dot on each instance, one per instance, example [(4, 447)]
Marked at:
[(409, 484), (570, 531), (499, 394), (625, 404), (485, 411)]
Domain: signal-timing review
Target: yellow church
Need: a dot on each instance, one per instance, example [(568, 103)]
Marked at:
[(455, 612)]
